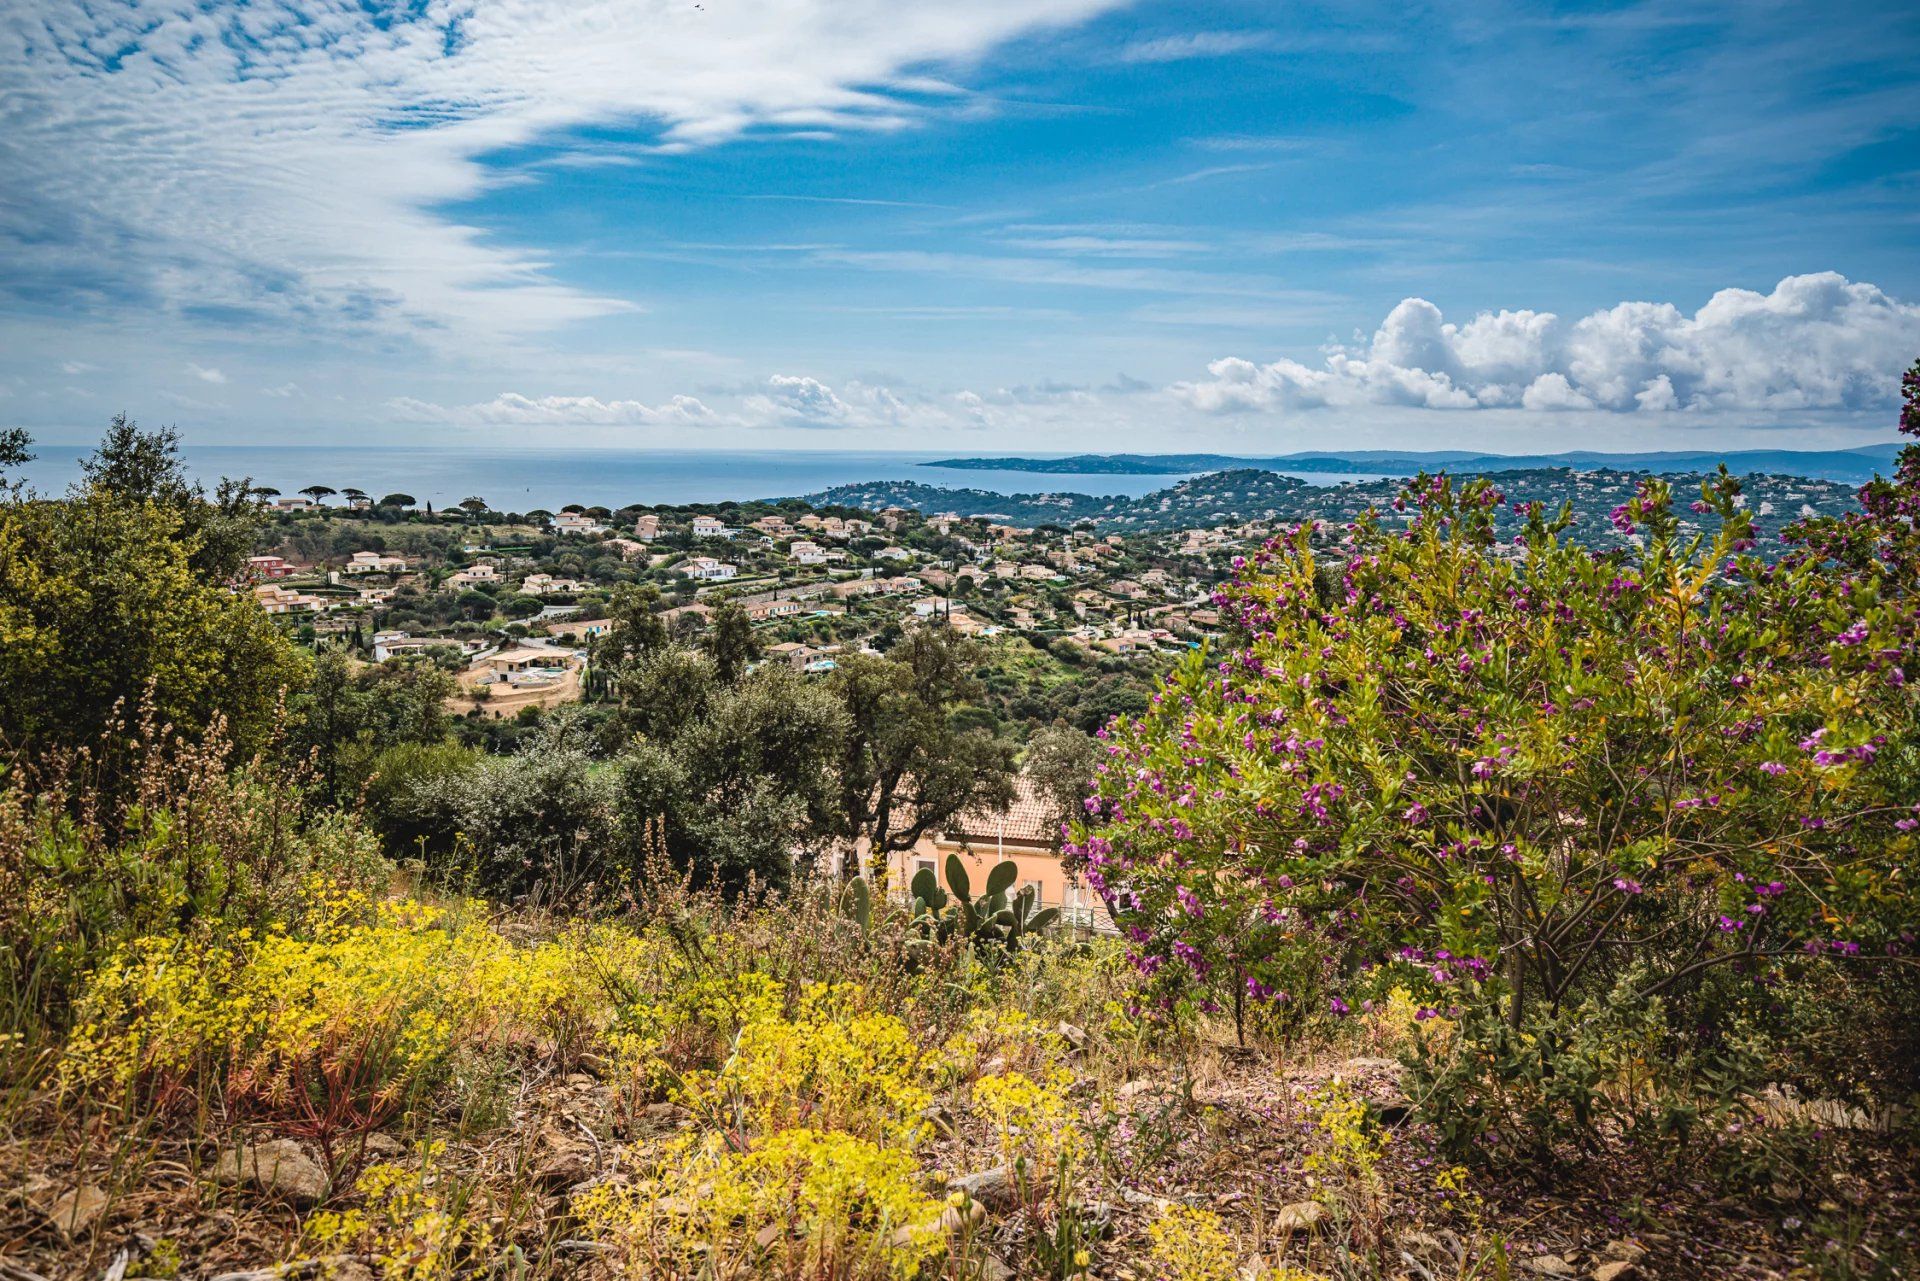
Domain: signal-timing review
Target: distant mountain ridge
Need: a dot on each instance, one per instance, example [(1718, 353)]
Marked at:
[(1824, 464)]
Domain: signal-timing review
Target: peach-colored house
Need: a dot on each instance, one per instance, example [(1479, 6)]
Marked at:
[(1022, 832)]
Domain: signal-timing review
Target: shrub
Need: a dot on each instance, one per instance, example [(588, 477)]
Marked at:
[(801, 1203), (537, 823), (1514, 779), (345, 1025), (1191, 1244), (200, 844), (834, 1066)]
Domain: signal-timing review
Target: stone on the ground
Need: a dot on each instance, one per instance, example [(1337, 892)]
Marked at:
[(278, 1166), (1550, 1265), (1614, 1270), (384, 1147), (1301, 1216), (983, 1185), (956, 1218), (74, 1212)]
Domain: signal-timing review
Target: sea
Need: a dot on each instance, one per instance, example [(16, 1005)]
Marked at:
[(523, 480)]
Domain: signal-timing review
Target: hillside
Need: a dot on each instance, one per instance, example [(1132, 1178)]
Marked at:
[(1255, 494)]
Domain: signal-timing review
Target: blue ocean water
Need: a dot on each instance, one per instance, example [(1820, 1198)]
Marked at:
[(521, 480)]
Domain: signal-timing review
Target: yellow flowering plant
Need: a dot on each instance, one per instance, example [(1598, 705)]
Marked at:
[(801, 1203), (416, 1224), (1191, 1244), (337, 1029), (834, 1066)]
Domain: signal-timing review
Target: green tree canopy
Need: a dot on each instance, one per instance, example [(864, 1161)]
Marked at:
[(731, 640), (905, 768), (117, 598)]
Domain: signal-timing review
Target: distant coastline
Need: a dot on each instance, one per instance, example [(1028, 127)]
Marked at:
[(1824, 464)]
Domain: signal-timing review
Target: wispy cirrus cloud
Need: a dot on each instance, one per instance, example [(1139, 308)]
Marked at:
[(289, 163), (1196, 44), (511, 408)]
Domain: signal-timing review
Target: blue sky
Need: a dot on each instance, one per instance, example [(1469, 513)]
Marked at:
[(1042, 225)]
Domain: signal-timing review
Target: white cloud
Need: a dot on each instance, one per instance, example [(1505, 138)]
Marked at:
[(1196, 44), (206, 375), (1816, 342), (799, 401), (806, 400), (1549, 392), (289, 161), (513, 409)]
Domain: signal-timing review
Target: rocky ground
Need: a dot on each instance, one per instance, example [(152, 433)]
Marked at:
[(1236, 1133)]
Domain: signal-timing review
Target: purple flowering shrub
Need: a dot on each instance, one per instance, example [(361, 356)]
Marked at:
[(1456, 752)]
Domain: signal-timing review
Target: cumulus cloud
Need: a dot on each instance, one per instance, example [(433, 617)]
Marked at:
[(205, 374), (794, 400), (1815, 342), (290, 161), (513, 409)]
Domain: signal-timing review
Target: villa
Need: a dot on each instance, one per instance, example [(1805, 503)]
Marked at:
[(480, 572), (707, 569), (761, 611), (500, 683), (540, 584), (575, 523), (268, 567), (276, 599), (376, 563), (1023, 833)]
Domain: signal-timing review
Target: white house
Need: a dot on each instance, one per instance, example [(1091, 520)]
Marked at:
[(708, 569), (484, 571), (539, 584), (805, 551), (575, 523), (376, 563), (709, 527)]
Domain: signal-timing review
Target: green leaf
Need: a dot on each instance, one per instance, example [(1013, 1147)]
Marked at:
[(1001, 876), (957, 879)]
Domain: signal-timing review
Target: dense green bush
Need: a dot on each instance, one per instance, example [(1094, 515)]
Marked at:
[(1519, 777)]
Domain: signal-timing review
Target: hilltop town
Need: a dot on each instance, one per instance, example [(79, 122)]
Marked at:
[(1077, 623), (1081, 601)]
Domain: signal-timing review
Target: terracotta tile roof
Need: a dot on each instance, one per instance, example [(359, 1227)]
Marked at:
[(1028, 821)]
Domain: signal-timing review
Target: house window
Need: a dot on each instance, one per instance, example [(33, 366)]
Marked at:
[(924, 865), (1039, 892)]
